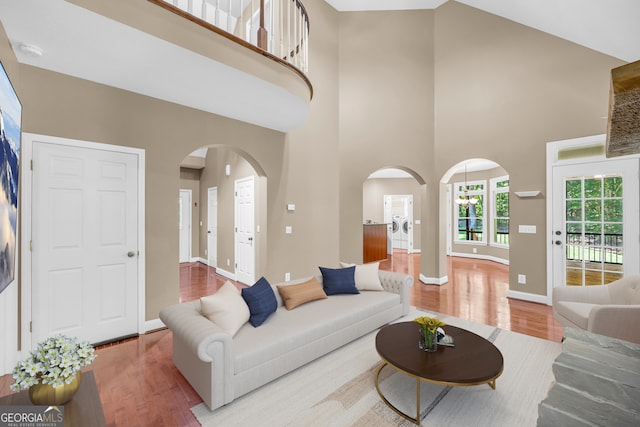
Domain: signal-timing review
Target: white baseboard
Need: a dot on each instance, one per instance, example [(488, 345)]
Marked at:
[(434, 280), (201, 260), (526, 296), (480, 256), (416, 251), (225, 273), (152, 325)]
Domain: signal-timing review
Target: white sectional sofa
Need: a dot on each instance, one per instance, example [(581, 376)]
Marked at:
[(222, 367)]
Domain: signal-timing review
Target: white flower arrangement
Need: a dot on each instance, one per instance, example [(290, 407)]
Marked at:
[(55, 361)]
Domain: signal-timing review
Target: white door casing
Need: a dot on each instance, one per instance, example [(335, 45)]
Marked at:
[(212, 226), (184, 207), (563, 160), (85, 274), (244, 230)]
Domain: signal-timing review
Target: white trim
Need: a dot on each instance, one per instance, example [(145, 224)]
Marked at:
[(189, 209), (433, 280), (481, 256), (456, 212), (552, 160), (494, 190), (526, 296), (416, 251), (200, 260), (25, 217), (154, 324), (226, 274)]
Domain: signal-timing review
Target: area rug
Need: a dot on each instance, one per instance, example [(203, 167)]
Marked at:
[(339, 389)]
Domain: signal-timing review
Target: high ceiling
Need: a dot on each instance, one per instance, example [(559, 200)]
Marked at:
[(80, 43), (611, 27)]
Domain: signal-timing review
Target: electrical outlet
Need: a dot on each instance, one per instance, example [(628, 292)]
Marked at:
[(228, 262), (522, 279), (288, 229), (287, 277), (475, 250)]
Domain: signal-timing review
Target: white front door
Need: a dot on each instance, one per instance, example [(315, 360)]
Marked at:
[(212, 227), (184, 225), (594, 235), (85, 243), (244, 230)]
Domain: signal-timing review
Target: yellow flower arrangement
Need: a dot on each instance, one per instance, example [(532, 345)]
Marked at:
[(428, 327), (430, 324)]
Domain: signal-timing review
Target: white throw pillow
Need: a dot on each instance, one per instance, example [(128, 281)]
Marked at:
[(366, 276), (226, 308)]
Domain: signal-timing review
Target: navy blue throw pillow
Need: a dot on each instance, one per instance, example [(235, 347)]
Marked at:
[(261, 301), (339, 280)]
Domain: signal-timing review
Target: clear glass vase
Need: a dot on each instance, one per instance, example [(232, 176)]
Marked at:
[(428, 340)]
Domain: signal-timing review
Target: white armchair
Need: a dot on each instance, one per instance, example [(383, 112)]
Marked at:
[(612, 310)]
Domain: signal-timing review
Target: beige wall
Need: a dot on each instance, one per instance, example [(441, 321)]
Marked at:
[(63, 106), (419, 90), (386, 112), (502, 92)]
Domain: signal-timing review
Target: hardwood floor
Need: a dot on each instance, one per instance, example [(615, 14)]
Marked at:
[(140, 386)]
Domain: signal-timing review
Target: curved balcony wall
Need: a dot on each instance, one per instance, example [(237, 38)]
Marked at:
[(277, 28)]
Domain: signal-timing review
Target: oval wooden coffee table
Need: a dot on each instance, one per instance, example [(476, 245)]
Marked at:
[(472, 361)]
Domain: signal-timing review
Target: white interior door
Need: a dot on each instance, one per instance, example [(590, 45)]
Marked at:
[(408, 200), (184, 225), (85, 243), (212, 226), (595, 236), (244, 230)]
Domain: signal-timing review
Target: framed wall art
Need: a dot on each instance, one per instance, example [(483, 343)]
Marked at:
[(10, 123)]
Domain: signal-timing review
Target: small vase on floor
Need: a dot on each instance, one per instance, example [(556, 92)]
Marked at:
[(428, 341)]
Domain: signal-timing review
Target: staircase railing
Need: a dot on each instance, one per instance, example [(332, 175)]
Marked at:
[(277, 27)]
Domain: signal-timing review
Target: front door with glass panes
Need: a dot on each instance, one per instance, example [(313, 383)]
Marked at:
[(595, 222)]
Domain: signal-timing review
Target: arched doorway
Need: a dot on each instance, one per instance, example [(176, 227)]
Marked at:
[(392, 199), (231, 244), (477, 210)]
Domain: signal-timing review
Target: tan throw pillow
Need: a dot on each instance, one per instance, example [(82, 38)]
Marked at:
[(366, 276), (295, 295), (226, 308)]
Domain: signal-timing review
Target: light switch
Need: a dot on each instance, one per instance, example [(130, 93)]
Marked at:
[(288, 229), (527, 229)]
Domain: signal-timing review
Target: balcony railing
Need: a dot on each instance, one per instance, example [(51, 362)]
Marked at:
[(594, 247), (277, 27)]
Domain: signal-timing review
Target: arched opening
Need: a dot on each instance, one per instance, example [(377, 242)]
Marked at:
[(226, 221), (391, 201), (477, 210)]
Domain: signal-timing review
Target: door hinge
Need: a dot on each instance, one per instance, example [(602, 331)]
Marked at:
[(30, 245), (31, 164), (30, 326)]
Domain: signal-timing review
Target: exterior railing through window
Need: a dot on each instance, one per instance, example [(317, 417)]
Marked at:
[(595, 247), (279, 27)]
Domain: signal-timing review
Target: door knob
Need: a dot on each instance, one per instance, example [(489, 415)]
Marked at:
[(558, 242), (131, 254)]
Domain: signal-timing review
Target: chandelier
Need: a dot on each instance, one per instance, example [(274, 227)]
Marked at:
[(465, 199)]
